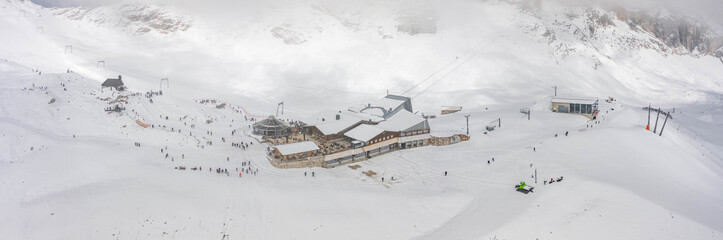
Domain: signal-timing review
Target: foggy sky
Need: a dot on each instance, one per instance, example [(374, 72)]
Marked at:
[(709, 11)]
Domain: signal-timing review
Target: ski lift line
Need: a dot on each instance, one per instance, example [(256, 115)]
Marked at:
[(445, 66), (447, 74), (473, 54)]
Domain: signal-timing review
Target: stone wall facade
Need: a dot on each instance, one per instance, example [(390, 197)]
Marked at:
[(316, 161), (443, 141)]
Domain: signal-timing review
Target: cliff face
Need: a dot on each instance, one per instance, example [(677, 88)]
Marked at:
[(678, 33), (136, 18)]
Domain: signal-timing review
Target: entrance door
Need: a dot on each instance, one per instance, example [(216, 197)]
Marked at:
[(563, 109)]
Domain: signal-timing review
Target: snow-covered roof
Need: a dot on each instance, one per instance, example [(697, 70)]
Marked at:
[(367, 116), (335, 126), (401, 121), (298, 147), (326, 121), (388, 103), (574, 100), (271, 122), (112, 82), (364, 132), (373, 111), (385, 103), (382, 107)]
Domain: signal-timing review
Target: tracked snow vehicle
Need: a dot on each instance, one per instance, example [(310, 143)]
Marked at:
[(524, 188)]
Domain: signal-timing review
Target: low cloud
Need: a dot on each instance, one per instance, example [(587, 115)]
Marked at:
[(708, 11)]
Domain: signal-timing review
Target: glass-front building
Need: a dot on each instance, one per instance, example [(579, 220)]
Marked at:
[(584, 106)]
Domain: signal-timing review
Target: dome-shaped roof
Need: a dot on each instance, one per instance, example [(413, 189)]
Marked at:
[(271, 123)]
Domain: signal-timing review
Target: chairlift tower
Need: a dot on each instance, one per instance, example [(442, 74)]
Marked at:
[(280, 105), (161, 85), (467, 117)]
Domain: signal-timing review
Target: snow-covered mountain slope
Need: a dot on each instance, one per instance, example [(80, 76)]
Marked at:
[(72, 171)]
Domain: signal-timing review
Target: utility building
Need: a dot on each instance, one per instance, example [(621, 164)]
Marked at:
[(584, 106), (114, 83)]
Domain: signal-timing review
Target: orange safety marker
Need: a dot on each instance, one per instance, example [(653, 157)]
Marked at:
[(647, 128)]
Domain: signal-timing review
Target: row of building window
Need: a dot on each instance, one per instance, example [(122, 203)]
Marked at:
[(403, 134), (412, 133), (382, 139)]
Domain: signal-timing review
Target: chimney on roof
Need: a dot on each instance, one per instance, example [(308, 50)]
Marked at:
[(338, 117), (119, 77)]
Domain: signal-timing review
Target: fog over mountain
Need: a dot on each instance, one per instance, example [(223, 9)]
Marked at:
[(707, 10)]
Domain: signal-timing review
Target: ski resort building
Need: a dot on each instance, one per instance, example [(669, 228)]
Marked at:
[(412, 130), (359, 133), (114, 83), (295, 151), (365, 134), (584, 106), (272, 127)]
